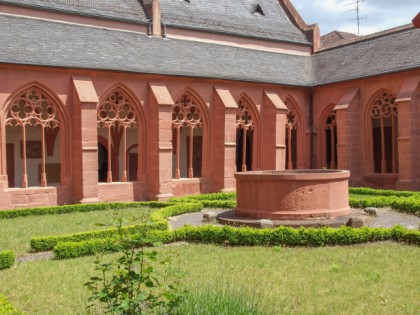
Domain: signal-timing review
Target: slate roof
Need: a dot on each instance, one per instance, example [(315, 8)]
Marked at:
[(335, 38), (124, 10), (239, 17), (33, 41), (389, 53)]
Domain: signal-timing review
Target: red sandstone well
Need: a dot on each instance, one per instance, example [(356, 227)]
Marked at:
[(292, 195)]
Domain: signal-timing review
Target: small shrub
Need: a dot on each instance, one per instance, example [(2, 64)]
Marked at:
[(7, 308), (7, 259)]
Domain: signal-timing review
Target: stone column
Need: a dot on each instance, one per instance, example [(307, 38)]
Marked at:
[(85, 141), (274, 145), (223, 141), (159, 143), (408, 102)]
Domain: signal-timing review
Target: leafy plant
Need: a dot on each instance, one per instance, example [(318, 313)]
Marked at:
[(131, 284), (7, 259)]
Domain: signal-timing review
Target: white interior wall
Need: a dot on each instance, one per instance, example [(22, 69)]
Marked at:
[(14, 135)]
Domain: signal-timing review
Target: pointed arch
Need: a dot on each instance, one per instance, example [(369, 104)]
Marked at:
[(294, 134), (34, 104), (381, 131), (328, 137), (121, 116), (248, 124), (190, 135)]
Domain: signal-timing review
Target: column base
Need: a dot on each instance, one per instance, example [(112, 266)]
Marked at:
[(90, 200)]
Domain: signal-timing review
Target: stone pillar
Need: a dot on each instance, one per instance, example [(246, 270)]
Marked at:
[(340, 117), (408, 102), (223, 140), (159, 143), (348, 133), (85, 141), (274, 136)]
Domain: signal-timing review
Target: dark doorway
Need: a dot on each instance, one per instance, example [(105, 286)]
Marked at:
[(331, 147), (102, 163), (239, 149), (293, 144), (10, 160)]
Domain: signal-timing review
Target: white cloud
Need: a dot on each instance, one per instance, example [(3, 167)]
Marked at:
[(331, 15)]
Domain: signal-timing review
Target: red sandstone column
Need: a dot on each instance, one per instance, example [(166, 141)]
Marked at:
[(223, 140), (342, 162), (275, 115), (85, 141), (159, 143), (408, 101)]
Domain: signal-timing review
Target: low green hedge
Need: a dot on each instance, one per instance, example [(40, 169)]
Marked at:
[(158, 218), (282, 236), (8, 214), (7, 308), (7, 259), (161, 215), (403, 204), (383, 192), (45, 243)]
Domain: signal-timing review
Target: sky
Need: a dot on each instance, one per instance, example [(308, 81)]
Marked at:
[(378, 15)]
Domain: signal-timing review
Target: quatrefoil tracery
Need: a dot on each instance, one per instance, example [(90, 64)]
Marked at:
[(384, 106), (185, 113), (291, 119), (243, 116), (331, 122), (32, 108), (116, 111)]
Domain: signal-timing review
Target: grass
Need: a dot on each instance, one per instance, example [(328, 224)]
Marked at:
[(377, 278), (15, 233), (380, 278)]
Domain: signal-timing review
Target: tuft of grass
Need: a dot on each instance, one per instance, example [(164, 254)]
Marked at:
[(224, 301)]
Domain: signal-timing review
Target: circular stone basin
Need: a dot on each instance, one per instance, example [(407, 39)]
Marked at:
[(292, 195)]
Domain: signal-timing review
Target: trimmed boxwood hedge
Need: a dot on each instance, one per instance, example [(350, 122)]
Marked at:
[(158, 218), (45, 243), (7, 259), (24, 212), (7, 308), (281, 236), (383, 192)]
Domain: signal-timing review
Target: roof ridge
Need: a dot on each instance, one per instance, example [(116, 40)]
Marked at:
[(363, 38)]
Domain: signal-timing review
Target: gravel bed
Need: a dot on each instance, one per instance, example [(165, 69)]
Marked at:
[(386, 217)]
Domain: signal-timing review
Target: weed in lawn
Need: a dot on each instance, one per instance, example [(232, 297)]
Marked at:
[(130, 284)]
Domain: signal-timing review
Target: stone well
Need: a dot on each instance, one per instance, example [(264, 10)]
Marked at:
[(292, 195)]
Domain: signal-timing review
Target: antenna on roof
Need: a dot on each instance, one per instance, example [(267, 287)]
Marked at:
[(357, 9)]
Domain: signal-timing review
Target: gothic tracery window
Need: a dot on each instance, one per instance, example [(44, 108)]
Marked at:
[(291, 137), (116, 116), (330, 141), (36, 115), (384, 116), (244, 133), (187, 127)]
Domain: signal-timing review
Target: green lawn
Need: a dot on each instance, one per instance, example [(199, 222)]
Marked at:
[(380, 278), (15, 233)]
